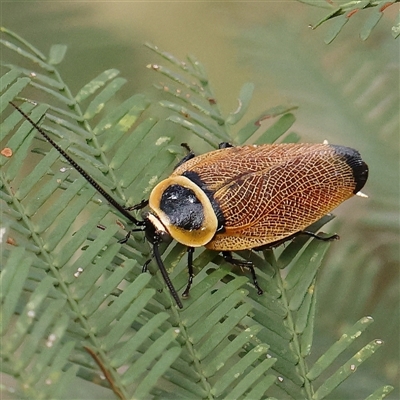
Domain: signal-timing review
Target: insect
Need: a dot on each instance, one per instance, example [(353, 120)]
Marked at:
[(245, 197)]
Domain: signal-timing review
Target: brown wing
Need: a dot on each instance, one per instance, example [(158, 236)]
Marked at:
[(269, 192), (217, 168)]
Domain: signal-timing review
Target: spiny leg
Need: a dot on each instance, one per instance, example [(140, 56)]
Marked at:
[(316, 236), (146, 265), (190, 252), (188, 156), (246, 264), (138, 206), (128, 235), (225, 145)]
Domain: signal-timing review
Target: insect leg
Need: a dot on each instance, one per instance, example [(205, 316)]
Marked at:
[(246, 264), (164, 273), (225, 145), (190, 251), (128, 235), (187, 147), (145, 265), (139, 206), (325, 239), (188, 156)]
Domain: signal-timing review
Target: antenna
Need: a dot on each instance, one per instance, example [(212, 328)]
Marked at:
[(108, 197)]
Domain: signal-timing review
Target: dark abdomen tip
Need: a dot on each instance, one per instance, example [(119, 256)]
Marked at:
[(354, 161)]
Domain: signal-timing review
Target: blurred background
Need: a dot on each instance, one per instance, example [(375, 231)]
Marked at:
[(347, 93)]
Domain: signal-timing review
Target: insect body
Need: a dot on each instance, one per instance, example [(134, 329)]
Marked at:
[(246, 197)]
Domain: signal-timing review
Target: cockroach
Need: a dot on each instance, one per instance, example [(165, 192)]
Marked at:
[(236, 198)]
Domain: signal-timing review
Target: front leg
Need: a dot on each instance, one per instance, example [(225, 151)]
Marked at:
[(139, 206)]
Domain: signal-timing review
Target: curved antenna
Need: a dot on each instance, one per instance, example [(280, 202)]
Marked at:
[(110, 199), (164, 273)]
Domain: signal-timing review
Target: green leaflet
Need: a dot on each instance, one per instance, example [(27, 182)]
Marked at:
[(57, 53), (343, 13)]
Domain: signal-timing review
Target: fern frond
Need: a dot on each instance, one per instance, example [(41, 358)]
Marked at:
[(114, 320), (33, 329), (347, 369), (211, 126), (342, 14), (358, 90)]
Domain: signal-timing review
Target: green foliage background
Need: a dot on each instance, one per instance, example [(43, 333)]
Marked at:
[(283, 320)]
